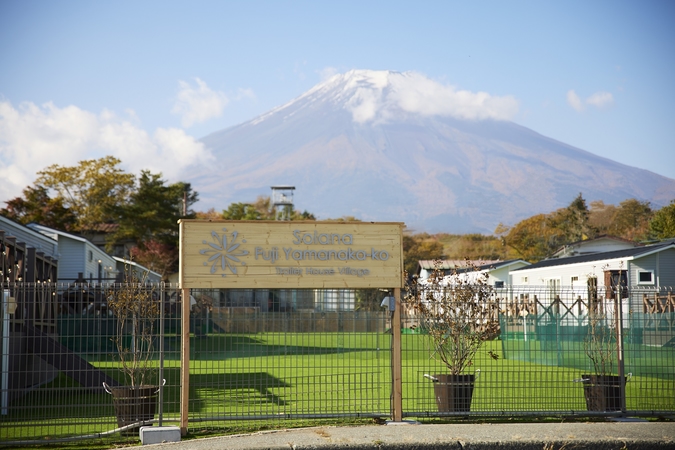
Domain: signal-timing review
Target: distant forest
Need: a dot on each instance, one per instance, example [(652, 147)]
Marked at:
[(541, 235), (145, 210)]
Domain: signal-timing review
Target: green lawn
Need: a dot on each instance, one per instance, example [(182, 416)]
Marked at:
[(279, 375)]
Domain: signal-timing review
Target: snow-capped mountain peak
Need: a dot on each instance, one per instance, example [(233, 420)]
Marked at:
[(391, 146)]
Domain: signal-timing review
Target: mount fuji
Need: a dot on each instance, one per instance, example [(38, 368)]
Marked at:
[(389, 146)]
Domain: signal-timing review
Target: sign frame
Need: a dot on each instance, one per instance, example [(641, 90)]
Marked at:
[(238, 254), (375, 246)]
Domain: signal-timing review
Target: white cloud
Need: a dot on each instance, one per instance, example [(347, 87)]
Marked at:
[(33, 137), (378, 95), (327, 72), (599, 100), (245, 93), (574, 101), (198, 104)]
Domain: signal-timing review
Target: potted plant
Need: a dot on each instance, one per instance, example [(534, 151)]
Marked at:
[(136, 310), (457, 313), (602, 389)]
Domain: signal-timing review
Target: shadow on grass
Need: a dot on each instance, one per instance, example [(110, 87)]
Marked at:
[(217, 347), (63, 398)]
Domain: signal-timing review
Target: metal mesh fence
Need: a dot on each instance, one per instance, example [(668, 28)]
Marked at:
[(283, 354), (58, 350), (558, 350), (277, 355)]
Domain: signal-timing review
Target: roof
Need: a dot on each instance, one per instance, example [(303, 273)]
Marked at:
[(103, 228), (630, 253), (140, 267), (54, 234), (431, 264), (586, 242), (25, 228), (493, 265)]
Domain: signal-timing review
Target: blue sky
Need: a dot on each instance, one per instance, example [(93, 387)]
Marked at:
[(144, 80)]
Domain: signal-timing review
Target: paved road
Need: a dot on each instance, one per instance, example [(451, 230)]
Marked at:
[(628, 435)]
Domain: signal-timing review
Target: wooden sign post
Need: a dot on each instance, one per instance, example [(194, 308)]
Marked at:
[(287, 255)]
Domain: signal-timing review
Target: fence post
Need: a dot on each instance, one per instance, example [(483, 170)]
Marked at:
[(619, 345), (397, 388), (161, 354), (184, 361)]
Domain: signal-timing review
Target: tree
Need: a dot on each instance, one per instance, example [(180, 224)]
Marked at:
[(539, 236), (241, 211), (533, 239), (156, 256), (90, 189), (211, 214), (631, 220), (420, 247), (150, 218), (37, 207), (474, 246), (261, 209), (662, 225), (572, 222), (601, 217)]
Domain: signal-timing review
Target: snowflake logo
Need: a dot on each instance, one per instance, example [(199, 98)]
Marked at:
[(223, 252)]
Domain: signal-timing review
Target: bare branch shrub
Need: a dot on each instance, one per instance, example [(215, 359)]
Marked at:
[(457, 313), (136, 310), (600, 343)]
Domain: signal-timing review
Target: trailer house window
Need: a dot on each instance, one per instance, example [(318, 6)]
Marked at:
[(645, 277)]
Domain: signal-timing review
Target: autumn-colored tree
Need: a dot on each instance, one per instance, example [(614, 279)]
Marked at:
[(89, 189), (631, 220), (601, 217), (539, 236), (474, 246), (662, 225), (37, 207), (156, 256), (211, 214), (533, 239), (420, 247)]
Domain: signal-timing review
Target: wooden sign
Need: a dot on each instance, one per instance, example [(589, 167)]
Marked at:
[(290, 255)]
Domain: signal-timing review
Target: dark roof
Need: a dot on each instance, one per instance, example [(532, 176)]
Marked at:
[(626, 253)]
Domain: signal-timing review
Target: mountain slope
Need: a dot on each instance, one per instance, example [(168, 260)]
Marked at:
[(385, 146)]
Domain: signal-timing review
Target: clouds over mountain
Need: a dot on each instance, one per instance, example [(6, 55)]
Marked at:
[(377, 96)]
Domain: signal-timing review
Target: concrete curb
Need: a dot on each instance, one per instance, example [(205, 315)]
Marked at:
[(521, 436)]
